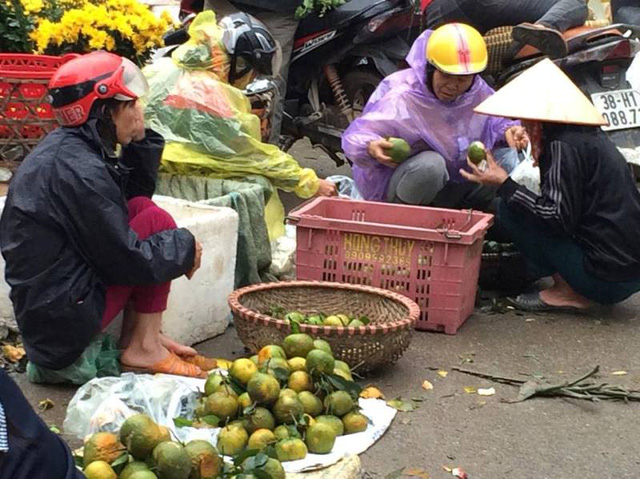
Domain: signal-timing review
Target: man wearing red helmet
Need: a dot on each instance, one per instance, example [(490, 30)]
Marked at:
[(80, 235)]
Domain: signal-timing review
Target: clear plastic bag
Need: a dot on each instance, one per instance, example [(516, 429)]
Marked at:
[(526, 173), (104, 404), (283, 255), (346, 187)]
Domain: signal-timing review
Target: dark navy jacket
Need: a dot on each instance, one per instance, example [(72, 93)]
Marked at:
[(65, 236)]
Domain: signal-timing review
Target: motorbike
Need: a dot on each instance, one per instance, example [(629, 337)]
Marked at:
[(597, 61), (337, 62)]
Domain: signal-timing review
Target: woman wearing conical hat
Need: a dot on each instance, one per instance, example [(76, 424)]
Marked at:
[(583, 229)]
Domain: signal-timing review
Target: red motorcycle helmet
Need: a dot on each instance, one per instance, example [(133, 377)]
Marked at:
[(77, 84)]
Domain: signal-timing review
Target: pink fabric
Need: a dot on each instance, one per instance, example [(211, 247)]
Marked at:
[(145, 218)]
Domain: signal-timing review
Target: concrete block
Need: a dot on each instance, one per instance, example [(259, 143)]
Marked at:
[(197, 309)]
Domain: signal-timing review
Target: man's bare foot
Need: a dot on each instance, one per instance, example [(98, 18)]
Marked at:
[(175, 347)]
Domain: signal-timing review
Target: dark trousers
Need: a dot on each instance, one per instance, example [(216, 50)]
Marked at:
[(485, 15), (547, 255), (34, 451), (626, 11)]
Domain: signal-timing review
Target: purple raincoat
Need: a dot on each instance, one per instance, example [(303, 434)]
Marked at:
[(402, 106)]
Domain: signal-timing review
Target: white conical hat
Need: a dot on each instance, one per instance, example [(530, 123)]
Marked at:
[(543, 93)]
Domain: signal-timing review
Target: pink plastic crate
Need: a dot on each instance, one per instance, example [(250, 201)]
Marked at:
[(430, 255)]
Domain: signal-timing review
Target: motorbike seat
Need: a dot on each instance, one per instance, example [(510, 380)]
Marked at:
[(336, 18), (577, 38)]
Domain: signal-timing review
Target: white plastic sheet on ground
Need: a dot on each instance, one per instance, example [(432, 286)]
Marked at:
[(103, 404)]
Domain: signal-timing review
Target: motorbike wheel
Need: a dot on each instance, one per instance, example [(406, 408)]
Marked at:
[(359, 86)]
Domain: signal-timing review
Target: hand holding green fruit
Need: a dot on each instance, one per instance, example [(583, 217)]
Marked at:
[(399, 150), (477, 153)]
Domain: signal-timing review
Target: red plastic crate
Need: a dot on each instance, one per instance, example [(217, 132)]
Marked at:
[(26, 115), (430, 255)]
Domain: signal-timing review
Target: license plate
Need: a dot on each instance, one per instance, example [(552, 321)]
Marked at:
[(621, 108)]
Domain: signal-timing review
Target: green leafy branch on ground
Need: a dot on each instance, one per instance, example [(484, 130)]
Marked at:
[(579, 388)]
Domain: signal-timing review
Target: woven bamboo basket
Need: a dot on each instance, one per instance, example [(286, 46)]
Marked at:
[(381, 342)]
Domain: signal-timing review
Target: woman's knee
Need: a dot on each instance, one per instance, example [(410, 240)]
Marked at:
[(418, 180), (150, 218)]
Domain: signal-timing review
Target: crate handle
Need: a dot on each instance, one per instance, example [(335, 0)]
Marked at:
[(455, 234), (449, 234)]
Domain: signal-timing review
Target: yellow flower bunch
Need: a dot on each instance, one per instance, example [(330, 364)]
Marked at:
[(32, 6), (125, 27)]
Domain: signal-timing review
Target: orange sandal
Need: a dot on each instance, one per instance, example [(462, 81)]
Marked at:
[(204, 363), (172, 364)]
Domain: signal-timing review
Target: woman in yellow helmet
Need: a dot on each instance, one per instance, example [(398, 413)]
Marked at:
[(430, 105)]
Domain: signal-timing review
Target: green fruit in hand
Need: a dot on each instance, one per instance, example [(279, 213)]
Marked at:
[(477, 152), (399, 151)]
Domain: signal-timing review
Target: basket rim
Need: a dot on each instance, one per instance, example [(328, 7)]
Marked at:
[(407, 323)]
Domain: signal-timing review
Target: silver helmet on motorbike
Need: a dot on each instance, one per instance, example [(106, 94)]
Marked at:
[(250, 46)]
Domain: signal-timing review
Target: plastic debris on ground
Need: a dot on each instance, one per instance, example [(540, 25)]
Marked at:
[(104, 404)]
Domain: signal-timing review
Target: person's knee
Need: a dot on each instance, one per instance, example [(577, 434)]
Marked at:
[(419, 179), (151, 220)]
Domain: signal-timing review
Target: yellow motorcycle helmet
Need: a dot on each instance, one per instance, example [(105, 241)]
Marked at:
[(457, 49)]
